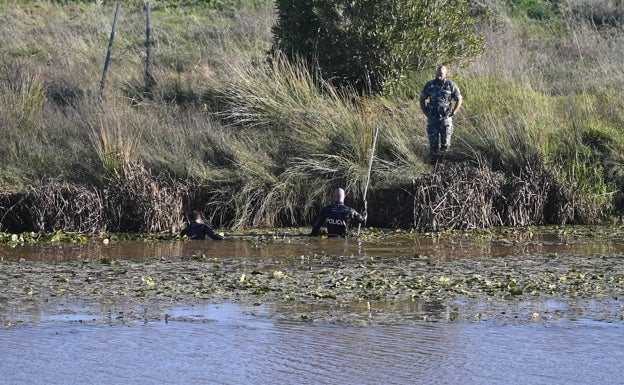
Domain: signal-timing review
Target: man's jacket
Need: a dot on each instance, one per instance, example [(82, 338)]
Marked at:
[(337, 217), (198, 231)]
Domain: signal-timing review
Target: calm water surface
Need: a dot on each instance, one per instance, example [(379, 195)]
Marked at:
[(227, 344), (293, 245), (230, 344)]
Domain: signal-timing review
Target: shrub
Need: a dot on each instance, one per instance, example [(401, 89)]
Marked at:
[(372, 44)]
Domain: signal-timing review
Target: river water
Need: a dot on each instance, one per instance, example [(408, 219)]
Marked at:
[(227, 344), (288, 245), (233, 344)]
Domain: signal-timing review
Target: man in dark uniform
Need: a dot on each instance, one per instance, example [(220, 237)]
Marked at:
[(337, 217), (197, 229), (435, 103)]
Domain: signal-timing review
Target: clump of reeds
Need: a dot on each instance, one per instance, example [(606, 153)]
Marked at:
[(131, 201), (467, 196), (457, 197), (522, 199), (53, 206), (136, 201)]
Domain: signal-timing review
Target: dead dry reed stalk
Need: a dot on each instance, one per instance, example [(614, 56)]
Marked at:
[(132, 201), (137, 201), (464, 196), (54, 206)]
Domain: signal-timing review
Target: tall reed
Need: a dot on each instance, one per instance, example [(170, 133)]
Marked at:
[(22, 98), (263, 142), (116, 135)]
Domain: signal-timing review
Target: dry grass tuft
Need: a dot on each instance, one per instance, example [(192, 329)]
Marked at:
[(136, 201)]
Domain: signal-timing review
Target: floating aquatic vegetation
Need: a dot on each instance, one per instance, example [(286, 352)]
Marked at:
[(107, 261)]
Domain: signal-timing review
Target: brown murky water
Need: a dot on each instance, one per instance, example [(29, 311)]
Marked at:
[(285, 245), (236, 343)]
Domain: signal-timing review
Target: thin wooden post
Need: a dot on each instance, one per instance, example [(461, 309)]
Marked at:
[(110, 50), (149, 77)]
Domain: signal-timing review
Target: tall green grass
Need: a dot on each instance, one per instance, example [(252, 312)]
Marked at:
[(509, 130), (317, 138), (262, 141)]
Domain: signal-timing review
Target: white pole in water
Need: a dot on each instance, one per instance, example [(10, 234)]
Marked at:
[(370, 167)]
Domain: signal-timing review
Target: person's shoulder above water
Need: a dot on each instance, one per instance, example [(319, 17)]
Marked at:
[(198, 230), (336, 217)]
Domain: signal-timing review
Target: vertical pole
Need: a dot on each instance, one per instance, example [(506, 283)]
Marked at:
[(370, 167), (149, 78), (110, 50)]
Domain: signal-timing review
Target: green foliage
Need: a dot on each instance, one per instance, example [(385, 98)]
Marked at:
[(588, 150), (510, 130), (546, 10), (370, 44), (263, 144), (575, 136)]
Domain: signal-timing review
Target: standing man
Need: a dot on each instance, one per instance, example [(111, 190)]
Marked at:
[(435, 103), (337, 217), (198, 230)]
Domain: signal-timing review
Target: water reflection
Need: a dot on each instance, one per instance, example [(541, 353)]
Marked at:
[(237, 345), (231, 344), (289, 245)]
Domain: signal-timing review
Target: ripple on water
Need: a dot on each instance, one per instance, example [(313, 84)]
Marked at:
[(244, 345)]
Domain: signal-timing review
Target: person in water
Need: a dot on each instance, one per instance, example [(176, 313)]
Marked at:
[(198, 230), (337, 217)]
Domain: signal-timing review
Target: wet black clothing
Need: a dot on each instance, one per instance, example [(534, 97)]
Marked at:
[(337, 217), (198, 231)]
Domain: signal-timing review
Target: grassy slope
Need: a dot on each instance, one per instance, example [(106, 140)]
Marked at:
[(266, 146)]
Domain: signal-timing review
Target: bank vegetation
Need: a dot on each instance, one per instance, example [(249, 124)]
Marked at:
[(253, 142)]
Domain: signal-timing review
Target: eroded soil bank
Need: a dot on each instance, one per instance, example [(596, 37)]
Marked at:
[(347, 289)]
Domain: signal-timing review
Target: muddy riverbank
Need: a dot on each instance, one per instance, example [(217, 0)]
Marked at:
[(346, 287)]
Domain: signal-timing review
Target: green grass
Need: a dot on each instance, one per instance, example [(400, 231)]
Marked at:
[(268, 142)]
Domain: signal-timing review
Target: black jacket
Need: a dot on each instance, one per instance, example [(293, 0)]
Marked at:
[(198, 231), (337, 217)]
